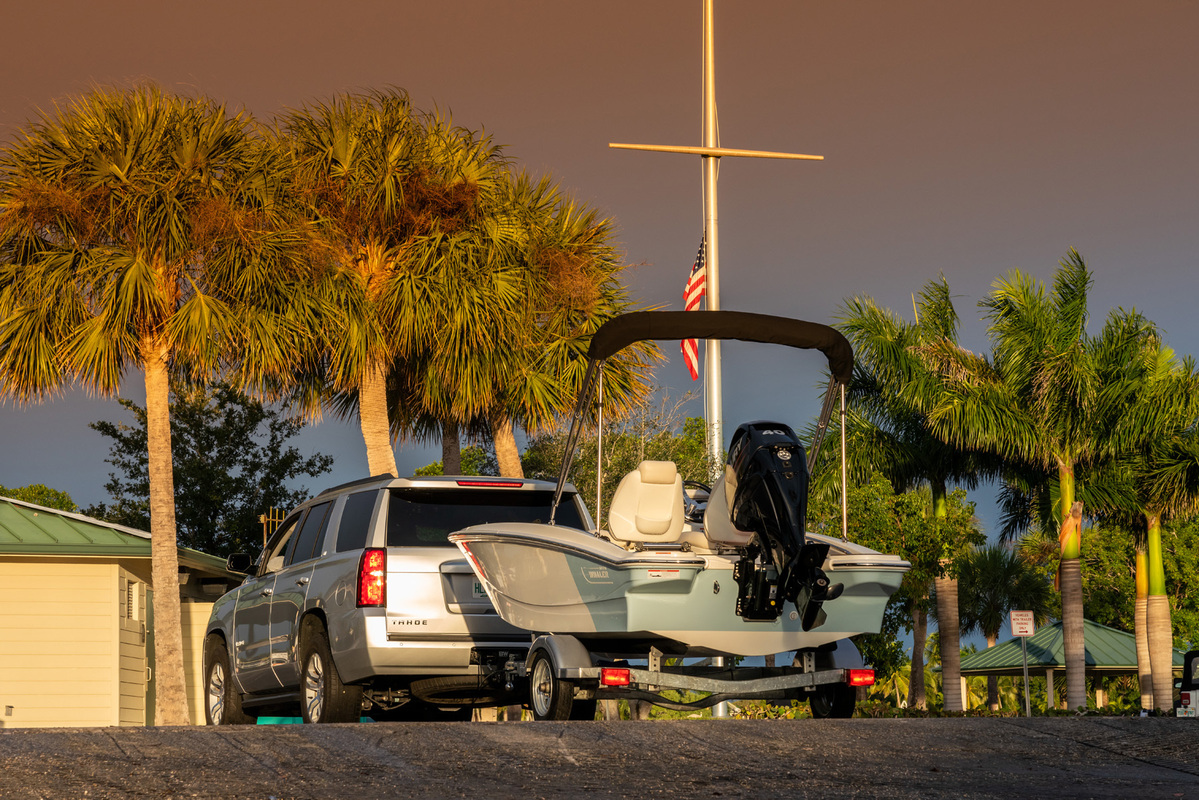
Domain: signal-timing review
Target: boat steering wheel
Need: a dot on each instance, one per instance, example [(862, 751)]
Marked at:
[(693, 509)]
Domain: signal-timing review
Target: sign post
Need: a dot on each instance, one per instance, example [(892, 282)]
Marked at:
[(1024, 626)]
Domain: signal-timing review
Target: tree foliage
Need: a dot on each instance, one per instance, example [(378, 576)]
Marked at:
[(41, 495), (232, 464), (903, 524), (476, 460)]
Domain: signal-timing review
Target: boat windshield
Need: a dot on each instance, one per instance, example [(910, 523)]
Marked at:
[(425, 517)]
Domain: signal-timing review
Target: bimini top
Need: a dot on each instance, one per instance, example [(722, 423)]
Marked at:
[(616, 334)]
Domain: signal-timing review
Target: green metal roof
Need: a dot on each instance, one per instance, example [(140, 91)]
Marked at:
[(1107, 650), (32, 530)]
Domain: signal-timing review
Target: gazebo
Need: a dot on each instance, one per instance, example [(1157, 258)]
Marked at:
[(1109, 652)]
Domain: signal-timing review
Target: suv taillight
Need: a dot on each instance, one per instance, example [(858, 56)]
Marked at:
[(372, 578)]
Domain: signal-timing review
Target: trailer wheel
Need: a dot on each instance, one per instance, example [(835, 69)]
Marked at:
[(549, 696), (834, 701), (584, 710)]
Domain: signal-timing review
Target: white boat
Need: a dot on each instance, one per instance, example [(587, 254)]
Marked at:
[(745, 579)]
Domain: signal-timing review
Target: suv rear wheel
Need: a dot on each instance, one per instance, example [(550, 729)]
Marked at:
[(324, 698)]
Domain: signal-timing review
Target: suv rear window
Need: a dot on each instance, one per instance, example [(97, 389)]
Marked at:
[(425, 517)]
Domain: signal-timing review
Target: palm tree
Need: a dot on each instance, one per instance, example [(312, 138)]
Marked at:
[(994, 581), (142, 230), (898, 379), (1167, 485), (1152, 472), (525, 368), (1044, 404), (1159, 441), (392, 191)]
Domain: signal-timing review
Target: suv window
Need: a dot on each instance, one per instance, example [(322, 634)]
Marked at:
[(355, 521), (311, 533), (281, 539), (425, 517)]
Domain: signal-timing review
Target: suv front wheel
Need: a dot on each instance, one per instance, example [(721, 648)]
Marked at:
[(222, 701), (324, 698)]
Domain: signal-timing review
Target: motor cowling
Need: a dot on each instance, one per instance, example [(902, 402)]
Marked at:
[(767, 482)]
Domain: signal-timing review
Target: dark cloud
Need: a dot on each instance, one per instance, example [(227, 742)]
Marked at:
[(962, 138)]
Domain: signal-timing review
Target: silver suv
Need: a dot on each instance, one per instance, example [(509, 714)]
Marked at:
[(359, 604)]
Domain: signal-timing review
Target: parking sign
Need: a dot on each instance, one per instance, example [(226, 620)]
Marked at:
[(1022, 623)]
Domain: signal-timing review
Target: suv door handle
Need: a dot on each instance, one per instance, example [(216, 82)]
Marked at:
[(302, 581)]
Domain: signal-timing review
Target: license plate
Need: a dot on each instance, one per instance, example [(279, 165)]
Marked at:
[(476, 590)]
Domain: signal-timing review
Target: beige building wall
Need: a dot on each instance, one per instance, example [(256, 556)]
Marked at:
[(59, 662), (194, 619)]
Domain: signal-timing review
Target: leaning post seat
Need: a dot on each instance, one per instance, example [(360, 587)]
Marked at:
[(648, 505), (718, 523)]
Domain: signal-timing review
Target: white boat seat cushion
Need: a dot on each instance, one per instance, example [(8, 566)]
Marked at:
[(648, 504)]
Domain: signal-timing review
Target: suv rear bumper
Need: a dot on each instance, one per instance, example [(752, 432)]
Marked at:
[(369, 651)]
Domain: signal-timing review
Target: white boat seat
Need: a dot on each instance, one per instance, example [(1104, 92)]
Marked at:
[(718, 526), (648, 504)]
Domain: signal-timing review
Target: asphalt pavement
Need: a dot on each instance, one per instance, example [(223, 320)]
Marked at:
[(1104, 757)]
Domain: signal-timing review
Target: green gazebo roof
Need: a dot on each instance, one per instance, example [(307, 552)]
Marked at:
[(32, 530), (1107, 650)]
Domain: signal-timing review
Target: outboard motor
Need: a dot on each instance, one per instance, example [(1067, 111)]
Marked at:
[(767, 482)]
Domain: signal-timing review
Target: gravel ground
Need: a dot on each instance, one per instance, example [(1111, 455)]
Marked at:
[(887, 758)]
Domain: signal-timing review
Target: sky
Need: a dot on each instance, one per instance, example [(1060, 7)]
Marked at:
[(964, 139)]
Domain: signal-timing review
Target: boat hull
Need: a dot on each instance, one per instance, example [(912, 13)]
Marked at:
[(551, 579)]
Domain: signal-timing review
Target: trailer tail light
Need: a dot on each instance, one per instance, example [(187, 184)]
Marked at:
[(1184, 699), (614, 676), (372, 578), (859, 677)]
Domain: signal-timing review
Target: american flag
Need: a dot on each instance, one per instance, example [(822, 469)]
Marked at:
[(696, 286)]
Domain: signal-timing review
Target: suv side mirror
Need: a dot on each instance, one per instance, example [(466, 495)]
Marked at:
[(239, 562)]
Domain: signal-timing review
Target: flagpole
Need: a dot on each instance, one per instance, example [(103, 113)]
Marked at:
[(711, 153), (713, 396)]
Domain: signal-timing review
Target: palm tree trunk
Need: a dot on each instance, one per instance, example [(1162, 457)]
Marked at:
[(1157, 622), (947, 620), (170, 699), (951, 648), (1072, 632), (451, 449), (1161, 650), (992, 681), (917, 693), (507, 455), (1070, 570), (376, 432), (1141, 629)]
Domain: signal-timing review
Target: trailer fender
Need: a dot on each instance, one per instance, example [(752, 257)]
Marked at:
[(566, 653)]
